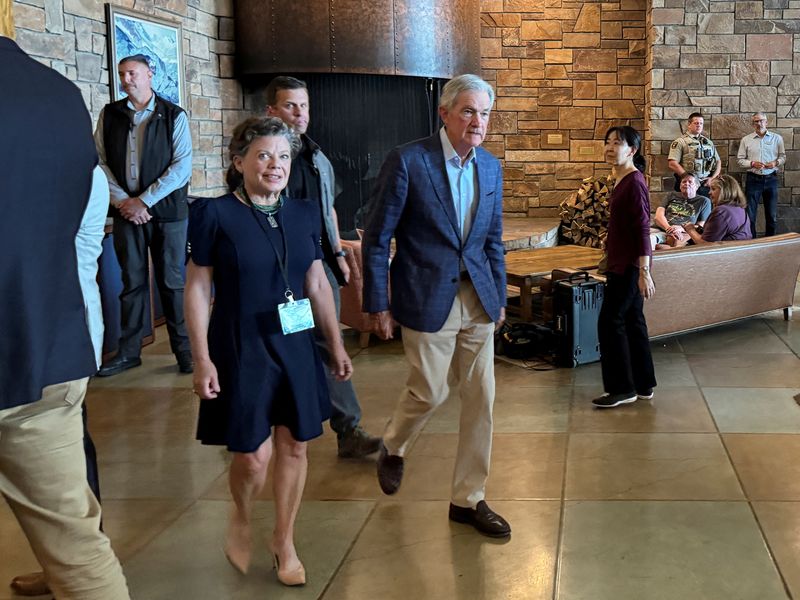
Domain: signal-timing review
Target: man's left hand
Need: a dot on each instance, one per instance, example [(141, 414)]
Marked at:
[(344, 267), (134, 210), (502, 319)]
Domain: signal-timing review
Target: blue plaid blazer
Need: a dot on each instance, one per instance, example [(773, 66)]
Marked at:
[(412, 202)]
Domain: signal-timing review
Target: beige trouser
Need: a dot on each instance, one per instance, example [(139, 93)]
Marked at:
[(465, 343), (43, 479)]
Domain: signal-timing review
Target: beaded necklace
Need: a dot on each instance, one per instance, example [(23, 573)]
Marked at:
[(268, 210)]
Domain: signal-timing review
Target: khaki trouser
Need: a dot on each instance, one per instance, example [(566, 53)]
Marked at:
[(43, 479), (465, 343)]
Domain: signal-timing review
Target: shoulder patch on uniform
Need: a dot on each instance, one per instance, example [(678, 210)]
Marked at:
[(674, 144)]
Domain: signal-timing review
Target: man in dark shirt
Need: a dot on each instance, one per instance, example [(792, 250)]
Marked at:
[(312, 178)]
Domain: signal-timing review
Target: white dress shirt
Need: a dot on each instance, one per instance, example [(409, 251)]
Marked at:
[(764, 149)]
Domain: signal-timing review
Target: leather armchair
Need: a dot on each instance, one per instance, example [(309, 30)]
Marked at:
[(351, 294)]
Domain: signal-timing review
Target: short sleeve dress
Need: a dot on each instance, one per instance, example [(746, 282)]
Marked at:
[(266, 378)]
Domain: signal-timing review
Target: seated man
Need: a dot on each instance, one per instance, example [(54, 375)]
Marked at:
[(676, 210)]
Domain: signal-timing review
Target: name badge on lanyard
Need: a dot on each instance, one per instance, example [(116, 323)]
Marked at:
[(294, 315)]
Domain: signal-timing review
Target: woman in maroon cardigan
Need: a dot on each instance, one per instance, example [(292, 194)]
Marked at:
[(626, 362)]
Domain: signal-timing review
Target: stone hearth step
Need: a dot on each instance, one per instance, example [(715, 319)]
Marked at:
[(524, 233)]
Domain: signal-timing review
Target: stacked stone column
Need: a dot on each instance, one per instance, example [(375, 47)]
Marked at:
[(564, 72)]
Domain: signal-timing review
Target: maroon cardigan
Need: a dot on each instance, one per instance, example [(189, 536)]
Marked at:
[(629, 223)]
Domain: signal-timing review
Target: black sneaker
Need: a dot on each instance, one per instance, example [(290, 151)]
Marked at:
[(645, 394), (612, 400), (185, 362), (357, 443)]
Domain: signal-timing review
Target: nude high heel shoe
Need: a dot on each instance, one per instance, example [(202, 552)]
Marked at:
[(238, 548), (294, 577)]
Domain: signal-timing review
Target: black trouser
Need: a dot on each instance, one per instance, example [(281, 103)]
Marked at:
[(624, 346), (167, 244)]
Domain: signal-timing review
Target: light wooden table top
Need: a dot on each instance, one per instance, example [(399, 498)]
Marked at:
[(541, 261)]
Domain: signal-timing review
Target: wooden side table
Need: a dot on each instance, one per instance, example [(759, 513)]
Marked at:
[(524, 268)]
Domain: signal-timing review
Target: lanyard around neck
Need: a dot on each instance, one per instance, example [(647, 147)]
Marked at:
[(283, 261)]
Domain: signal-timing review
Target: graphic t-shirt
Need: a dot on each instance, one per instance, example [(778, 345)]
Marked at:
[(679, 210)]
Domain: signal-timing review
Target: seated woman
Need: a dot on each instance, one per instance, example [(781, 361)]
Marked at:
[(728, 220), (257, 370)]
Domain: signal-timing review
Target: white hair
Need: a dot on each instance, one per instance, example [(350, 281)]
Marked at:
[(462, 83)]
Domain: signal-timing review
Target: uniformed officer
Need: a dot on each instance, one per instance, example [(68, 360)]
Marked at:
[(695, 153)]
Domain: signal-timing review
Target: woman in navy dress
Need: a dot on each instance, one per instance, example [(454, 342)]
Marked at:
[(260, 251)]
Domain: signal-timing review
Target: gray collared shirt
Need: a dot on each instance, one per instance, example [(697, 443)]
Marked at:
[(763, 149), (177, 174), (462, 176)]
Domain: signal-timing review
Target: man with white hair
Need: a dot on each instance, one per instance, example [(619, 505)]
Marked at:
[(761, 153), (441, 198)]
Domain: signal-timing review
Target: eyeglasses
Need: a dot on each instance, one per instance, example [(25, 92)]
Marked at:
[(757, 121)]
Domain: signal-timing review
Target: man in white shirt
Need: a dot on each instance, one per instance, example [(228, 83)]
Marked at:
[(761, 153)]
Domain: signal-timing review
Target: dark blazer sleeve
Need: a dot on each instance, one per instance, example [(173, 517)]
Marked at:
[(494, 240), (389, 199)]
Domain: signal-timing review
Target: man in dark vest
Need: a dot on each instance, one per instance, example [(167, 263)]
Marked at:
[(46, 351), (146, 152)]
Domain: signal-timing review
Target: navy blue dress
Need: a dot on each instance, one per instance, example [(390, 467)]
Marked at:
[(266, 378)]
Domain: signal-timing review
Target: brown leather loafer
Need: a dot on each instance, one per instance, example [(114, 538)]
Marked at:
[(482, 518), (30, 584), (390, 471)]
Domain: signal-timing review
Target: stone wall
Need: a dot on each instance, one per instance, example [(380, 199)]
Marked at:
[(727, 60), (564, 71), (70, 36)]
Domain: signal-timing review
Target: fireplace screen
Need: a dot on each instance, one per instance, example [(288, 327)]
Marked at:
[(357, 120)]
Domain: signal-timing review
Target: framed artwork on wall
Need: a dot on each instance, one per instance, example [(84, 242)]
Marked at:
[(132, 32)]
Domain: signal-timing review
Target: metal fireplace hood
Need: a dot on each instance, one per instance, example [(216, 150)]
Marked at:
[(422, 38)]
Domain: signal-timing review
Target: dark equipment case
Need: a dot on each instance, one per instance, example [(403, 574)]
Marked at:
[(576, 309)]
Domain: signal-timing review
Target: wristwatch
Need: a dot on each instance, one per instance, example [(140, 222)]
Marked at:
[(340, 254)]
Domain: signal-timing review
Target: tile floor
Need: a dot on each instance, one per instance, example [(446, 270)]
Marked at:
[(695, 495)]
